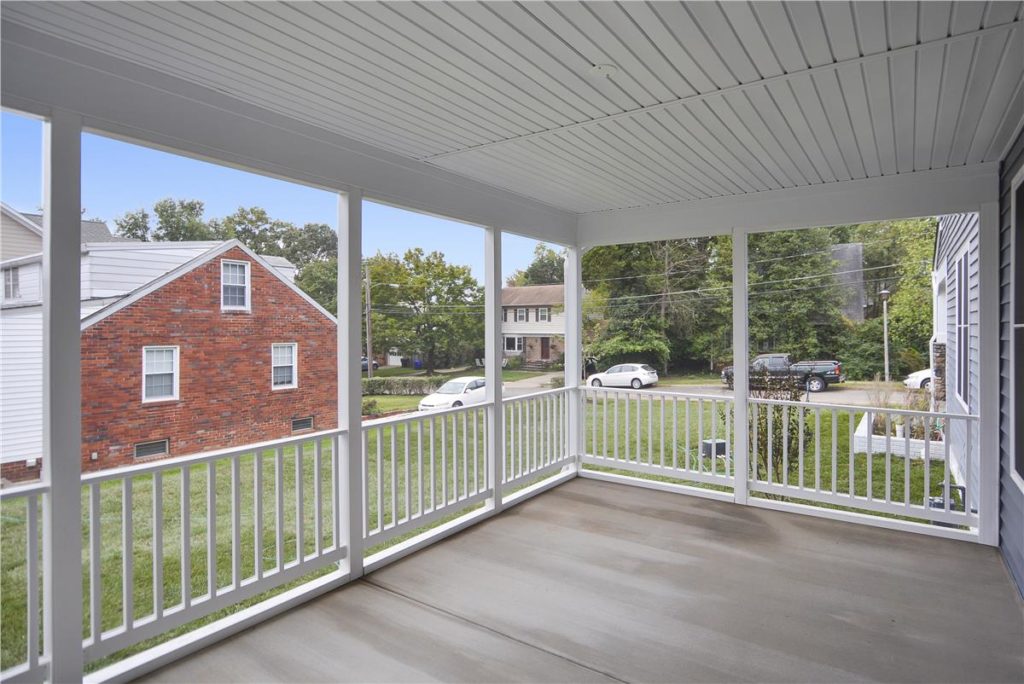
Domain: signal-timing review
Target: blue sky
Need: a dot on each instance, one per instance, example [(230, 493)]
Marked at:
[(118, 177)]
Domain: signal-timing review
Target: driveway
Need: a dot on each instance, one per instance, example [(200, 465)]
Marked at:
[(853, 395), (528, 385)]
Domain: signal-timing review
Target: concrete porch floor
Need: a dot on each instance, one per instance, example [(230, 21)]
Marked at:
[(600, 582)]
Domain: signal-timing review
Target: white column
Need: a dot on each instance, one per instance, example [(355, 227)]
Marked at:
[(62, 396), (350, 387), (574, 346), (741, 365), (987, 435), (493, 348)]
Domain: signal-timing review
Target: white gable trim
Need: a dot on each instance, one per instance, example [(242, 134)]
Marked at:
[(189, 266), (20, 218)]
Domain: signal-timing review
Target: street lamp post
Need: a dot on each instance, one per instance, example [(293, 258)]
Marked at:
[(884, 296)]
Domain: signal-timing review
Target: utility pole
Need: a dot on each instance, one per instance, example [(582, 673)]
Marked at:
[(369, 326), (884, 295)]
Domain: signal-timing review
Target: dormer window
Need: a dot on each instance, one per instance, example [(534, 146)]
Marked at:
[(521, 316), (234, 285), (543, 314), (12, 286)]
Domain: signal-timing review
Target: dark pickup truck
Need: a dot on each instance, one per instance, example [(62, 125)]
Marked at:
[(816, 376)]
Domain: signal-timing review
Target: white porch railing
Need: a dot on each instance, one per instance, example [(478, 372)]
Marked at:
[(22, 543), (178, 539), (669, 434), (911, 464), (536, 436)]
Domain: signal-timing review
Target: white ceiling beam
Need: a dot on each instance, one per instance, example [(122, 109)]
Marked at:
[(131, 102), (923, 193), (699, 97)]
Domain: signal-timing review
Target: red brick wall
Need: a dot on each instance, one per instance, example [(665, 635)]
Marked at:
[(225, 397)]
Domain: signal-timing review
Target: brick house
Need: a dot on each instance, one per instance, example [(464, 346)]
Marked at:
[(222, 349), (533, 322)]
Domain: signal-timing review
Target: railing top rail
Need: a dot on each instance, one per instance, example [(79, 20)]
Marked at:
[(865, 409), (658, 393), (203, 457), (413, 416), (531, 395), (29, 489)]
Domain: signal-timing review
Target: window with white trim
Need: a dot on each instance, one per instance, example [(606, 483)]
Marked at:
[(513, 344), (234, 285), (521, 316), (543, 314), (963, 331), (159, 373), (12, 286), (284, 372)]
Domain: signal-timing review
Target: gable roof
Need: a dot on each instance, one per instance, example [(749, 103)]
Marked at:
[(533, 295), (191, 265), (92, 230)]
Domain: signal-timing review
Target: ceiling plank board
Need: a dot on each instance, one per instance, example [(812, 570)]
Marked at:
[(743, 20), (835, 102), (991, 49), (854, 88)]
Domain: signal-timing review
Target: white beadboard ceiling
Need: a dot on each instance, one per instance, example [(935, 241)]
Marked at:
[(708, 99)]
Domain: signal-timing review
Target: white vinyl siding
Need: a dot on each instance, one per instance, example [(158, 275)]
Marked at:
[(234, 285), (21, 384), (159, 373), (115, 269), (284, 373), (16, 240)]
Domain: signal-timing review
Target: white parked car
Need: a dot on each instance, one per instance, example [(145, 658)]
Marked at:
[(921, 379), (454, 393), (635, 375)]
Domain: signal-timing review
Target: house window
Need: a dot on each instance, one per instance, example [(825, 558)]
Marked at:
[(12, 288), (963, 332), (543, 314), (160, 447), (159, 373), (521, 316), (284, 374), (513, 344), (234, 285), (300, 424)]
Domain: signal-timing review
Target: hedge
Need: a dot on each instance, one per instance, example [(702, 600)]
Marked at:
[(402, 386)]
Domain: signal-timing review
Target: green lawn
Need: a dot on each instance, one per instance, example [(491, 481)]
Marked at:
[(683, 379), (388, 403), (513, 375)]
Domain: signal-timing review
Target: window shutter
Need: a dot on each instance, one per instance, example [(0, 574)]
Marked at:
[(504, 315)]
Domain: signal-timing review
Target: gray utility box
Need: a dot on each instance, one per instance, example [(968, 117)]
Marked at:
[(712, 447)]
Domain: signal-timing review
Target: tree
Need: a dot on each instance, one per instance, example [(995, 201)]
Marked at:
[(179, 220), (134, 225), (319, 280), (312, 243), (255, 229), (547, 268)]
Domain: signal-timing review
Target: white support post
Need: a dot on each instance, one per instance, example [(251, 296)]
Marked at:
[(988, 381), (62, 396), (350, 386), (493, 351), (740, 364), (574, 348)]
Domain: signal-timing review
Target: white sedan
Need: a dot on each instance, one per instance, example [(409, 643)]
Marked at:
[(635, 375), (919, 379), (454, 393)]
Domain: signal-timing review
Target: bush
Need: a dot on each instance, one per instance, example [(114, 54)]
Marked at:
[(514, 363), (370, 407), (558, 381), (402, 386)]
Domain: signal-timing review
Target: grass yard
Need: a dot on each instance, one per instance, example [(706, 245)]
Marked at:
[(684, 379), (513, 375), (389, 403)]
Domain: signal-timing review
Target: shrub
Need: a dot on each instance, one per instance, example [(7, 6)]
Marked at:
[(402, 386), (370, 407), (558, 381), (514, 363)]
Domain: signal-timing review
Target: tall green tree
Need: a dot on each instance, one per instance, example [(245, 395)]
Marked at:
[(547, 268), (134, 225), (311, 243), (254, 228), (179, 220)]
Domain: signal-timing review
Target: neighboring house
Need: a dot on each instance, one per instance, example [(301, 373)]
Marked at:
[(21, 233), (955, 350), (533, 322), (186, 347)]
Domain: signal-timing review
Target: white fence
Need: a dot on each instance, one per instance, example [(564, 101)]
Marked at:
[(175, 540), (878, 460), (686, 437)]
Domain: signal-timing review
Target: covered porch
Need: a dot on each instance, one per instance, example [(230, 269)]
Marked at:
[(593, 581), (579, 532)]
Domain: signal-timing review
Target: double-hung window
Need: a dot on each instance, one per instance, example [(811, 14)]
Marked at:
[(543, 314), (12, 286), (513, 344), (159, 373), (284, 372), (234, 285), (521, 316)]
